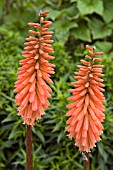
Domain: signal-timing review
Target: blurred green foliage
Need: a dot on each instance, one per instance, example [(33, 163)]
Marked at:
[(75, 23)]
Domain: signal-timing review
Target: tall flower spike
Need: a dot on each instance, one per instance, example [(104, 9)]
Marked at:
[(86, 112), (33, 92)]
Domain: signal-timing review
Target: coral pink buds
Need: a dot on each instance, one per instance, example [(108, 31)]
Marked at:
[(86, 112), (35, 70)]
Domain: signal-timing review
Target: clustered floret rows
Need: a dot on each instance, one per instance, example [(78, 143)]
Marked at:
[(86, 112), (34, 73)]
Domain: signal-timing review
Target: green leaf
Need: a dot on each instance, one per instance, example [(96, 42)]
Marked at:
[(41, 136), (7, 97), (57, 127), (102, 151), (60, 136), (62, 28), (2, 165), (82, 32), (104, 46), (13, 133), (18, 13), (99, 29), (90, 6), (108, 9), (71, 11), (1, 7), (74, 0), (53, 14)]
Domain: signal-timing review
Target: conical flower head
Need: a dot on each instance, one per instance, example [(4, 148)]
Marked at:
[(86, 112), (34, 74)]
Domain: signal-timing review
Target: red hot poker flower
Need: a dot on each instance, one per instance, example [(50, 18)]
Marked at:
[(86, 113), (33, 92)]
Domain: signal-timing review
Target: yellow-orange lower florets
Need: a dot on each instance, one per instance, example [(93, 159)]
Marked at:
[(86, 113), (33, 92)]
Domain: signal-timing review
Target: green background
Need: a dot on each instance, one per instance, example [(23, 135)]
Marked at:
[(75, 23)]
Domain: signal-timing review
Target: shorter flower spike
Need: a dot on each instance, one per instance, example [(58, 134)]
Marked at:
[(86, 112), (35, 71)]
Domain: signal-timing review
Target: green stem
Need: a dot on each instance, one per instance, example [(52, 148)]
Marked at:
[(29, 163)]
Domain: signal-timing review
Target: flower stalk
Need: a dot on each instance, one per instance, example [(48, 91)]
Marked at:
[(33, 78), (29, 162), (86, 162)]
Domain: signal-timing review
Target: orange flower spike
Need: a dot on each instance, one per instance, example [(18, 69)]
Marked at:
[(31, 88), (86, 112)]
